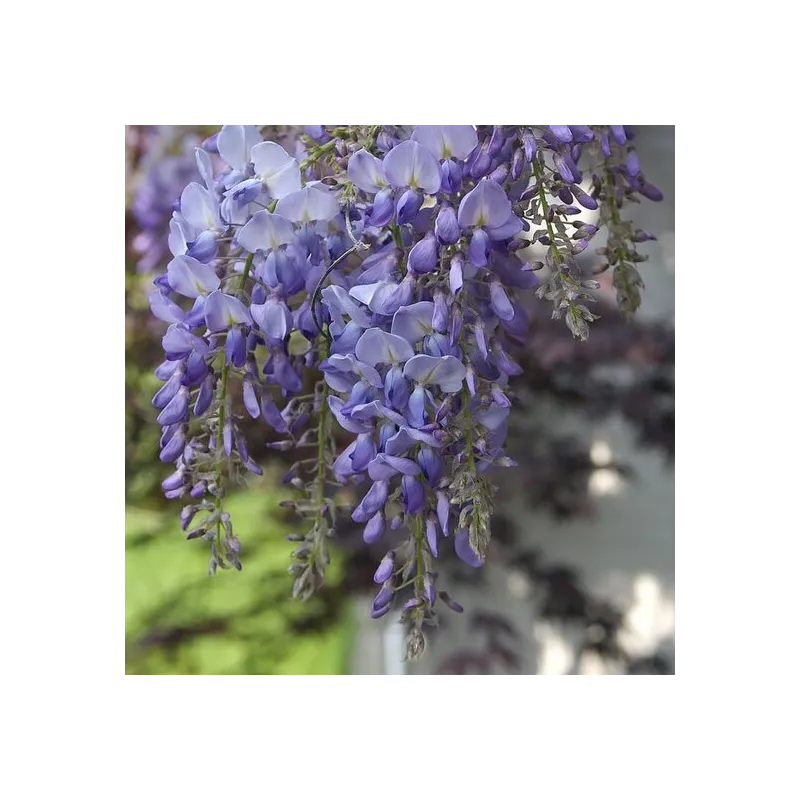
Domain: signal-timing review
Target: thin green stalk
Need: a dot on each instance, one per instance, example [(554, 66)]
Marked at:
[(223, 391), (612, 203), (318, 153), (322, 436), (468, 432), (220, 427), (398, 240), (223, 395), (537, 171), (557, 254), (373, 135), (248, 265)]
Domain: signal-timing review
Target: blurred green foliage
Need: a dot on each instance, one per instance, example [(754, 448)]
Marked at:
[(178, 620), (181, 621)]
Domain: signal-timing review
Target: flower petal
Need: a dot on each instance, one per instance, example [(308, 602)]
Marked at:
[(376, 409), (244, 192), (424, 255), (200, 207), (364, 451), (385, 568), (396, 388), (190, 277), (274, 318), (374, 529), (378, 347), (510, 228), (350, 364), (163, 308), (234, 143), (375, 295), (373, 501), (346, 341), (222, 311), (445, 141), (413, 322), (265, 231), (366, 172), (452, 175), (309, 204), (339, 303), (479, 248), (349, 424), (205, 167), (384, 466), (411, 164), (499, 301), (443, 511), (561, 132), (412, 496), (179, 341), (485, 206), (382, 209), (445, 371), (278, 171), (431, 464), (408, 206), (493, 417), (180, 232), (447, 228), (379, 266), (407, 437), (456, 275), (430, 533), (465, 552), (343, 466)]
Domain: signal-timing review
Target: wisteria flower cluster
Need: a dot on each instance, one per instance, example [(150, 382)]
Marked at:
[(167, 166), (367, 290)]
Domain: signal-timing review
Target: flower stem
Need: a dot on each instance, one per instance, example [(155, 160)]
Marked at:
[(318, 153), (398, 239), (318, 545), (467, 432), (248, 265), (373, 135), (321, 436), (223, 396), (223, 390), (537, 171)]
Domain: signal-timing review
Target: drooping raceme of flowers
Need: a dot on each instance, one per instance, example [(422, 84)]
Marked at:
[(394, 254)]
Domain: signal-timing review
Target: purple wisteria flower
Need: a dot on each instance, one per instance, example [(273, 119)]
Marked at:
[(411, 165), (369, 295), (158, 183), (447, 141)]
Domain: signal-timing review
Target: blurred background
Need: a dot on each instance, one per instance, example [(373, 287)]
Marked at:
[(580, 576)]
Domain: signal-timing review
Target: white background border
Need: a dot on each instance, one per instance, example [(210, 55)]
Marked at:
[(74, 75)]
